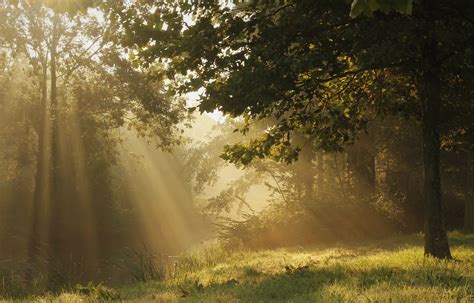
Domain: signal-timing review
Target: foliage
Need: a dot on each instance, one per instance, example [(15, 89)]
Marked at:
[(97, 292), (302, 196), (286, 75), (18, 108), (359, 7), (99, 94), (321, 222), (316, 72)]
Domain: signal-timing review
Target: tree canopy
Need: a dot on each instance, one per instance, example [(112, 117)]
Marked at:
[(311, 67), (316, 70)]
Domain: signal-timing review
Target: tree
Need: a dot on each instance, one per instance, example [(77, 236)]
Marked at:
[(86, 90), (315, 70)]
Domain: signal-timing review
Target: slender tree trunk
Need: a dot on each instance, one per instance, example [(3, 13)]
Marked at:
[(469, 201), (436, 240), (361, 162), (56, 229), (307, 173), (40, 194)]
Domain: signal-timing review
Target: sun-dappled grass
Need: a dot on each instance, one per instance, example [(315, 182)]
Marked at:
[(392, 270)]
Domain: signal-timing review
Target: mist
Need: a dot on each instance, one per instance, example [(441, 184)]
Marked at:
[(236, 151)]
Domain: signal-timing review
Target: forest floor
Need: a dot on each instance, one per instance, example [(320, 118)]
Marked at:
[(392, 270)]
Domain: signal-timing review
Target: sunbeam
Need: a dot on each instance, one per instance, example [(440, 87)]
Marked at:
[(236, 151)]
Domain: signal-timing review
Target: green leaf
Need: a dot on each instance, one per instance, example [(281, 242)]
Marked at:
[(347, 113), (373, 5), (358, 7)]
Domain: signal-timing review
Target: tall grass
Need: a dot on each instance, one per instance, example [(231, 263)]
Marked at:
[(143, 265), (384, 271), (392, 270)]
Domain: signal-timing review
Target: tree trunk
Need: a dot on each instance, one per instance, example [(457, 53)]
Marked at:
[(56, 228), (436, 240), (307, 173), (469, 201), (361, 162), (41, 189)]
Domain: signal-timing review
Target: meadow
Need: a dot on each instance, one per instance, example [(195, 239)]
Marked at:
[(391, 270)]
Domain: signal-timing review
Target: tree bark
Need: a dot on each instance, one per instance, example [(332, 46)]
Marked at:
[(436, 240), (469, 201)]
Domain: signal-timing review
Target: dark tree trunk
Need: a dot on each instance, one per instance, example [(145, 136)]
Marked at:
[(469, 201), (361, 162), (436, 240), (56, 228)]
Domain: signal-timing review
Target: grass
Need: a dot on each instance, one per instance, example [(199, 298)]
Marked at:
[(387, 271)]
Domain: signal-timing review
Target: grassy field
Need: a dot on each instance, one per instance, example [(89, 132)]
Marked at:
[(388, 271)]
